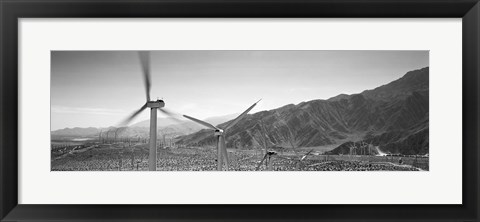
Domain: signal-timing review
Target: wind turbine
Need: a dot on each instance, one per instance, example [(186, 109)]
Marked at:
[(108, 132), (220, 134), (303, 158), (300, 161), (154, 105), (353, 149), (268, 160), (270, 154)]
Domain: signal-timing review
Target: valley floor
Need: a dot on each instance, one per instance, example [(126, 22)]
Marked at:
[(122, 157)]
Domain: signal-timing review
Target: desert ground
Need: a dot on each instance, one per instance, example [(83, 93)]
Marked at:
[(92, 156)]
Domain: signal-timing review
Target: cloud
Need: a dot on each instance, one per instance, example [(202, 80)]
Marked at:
[(86, 110)]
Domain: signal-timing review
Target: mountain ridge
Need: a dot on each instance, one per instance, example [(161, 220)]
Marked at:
[(388, 116)]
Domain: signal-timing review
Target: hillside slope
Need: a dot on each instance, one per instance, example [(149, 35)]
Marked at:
[(393, 116)]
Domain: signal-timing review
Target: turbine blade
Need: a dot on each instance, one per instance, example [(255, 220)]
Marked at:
[(130, 118), (145, 62), (309, 152), (306, 154), (201, 122), (171, 114), (260, 164), (235, 121)]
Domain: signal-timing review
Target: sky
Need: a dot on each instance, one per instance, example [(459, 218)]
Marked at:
[(101, 88)]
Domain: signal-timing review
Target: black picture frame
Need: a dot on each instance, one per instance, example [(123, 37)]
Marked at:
[(12, 10)]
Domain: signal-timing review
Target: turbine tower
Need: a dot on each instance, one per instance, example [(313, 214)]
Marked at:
[(220, 135), (108, 132), (116, 134), (100, 136), (154, 106)]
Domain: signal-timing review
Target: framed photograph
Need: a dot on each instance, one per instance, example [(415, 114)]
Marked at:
[(278, 110), (385, 128)]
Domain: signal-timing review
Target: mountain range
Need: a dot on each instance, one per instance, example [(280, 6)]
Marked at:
[(394, 117), (141, 129)]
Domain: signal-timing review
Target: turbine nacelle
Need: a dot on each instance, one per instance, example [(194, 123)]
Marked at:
[(218, 132), (271, 153), (156, 104)]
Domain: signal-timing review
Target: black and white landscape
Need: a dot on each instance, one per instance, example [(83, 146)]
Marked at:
[(319, 111)]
